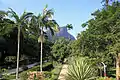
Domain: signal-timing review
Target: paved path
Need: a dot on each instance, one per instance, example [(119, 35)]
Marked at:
[(63, 72), (13, 71)]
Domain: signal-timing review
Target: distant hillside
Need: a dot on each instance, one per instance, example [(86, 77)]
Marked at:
[(62, 33)]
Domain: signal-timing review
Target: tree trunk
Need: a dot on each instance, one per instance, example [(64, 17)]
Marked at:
[(18, 50), (118, 67), (41, 49), (107, 1), (100, 70)]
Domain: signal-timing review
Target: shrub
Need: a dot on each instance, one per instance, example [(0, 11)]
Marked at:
[(105, 78), (35, 75), (54, 74), (24, 75), (8, 77), (37, 68), (80, 69)]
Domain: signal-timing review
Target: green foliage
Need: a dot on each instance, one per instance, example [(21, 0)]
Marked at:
[(75, 48), (49, 75), (10, 59), (80, 69), (43, 20), (24, 75), (105, 78), (8, 77), (101, 39), (69, 26), (111, 72), (30, 46), (60, 50), (54, 73)]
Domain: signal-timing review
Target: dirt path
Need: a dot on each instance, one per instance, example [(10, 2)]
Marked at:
[(63, 72)]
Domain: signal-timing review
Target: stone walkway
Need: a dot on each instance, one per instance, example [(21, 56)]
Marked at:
[(63, 72)]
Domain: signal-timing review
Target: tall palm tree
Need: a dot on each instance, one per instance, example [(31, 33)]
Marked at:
[(20, 23), (43, 22)]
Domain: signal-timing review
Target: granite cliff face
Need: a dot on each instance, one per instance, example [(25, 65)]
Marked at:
[(62, 33)]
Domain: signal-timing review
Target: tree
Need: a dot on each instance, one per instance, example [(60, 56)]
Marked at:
[(101, 38), (6, 25), (60, 50), (106, 2), (44, 21), (69, 27), (20, 23)]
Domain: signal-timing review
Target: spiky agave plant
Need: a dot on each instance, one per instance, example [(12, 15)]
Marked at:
[(81, 69)]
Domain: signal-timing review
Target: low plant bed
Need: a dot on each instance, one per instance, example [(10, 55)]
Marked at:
[(35, 75)]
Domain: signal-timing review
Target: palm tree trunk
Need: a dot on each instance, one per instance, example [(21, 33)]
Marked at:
[(41, 49), (18, 50)]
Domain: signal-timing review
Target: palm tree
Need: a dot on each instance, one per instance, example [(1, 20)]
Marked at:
[(43, 22), (20, 22), (69, 27)]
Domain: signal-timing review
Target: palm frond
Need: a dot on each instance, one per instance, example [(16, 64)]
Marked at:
[(26, 15), (54, 25), (3, 14), (51, 30), (50, 13), (13, 14), (46, 6)]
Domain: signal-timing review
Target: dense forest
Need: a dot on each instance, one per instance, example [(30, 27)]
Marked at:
[(98, 44)]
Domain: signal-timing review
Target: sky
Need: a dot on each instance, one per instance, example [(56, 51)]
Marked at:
[(73, 12)]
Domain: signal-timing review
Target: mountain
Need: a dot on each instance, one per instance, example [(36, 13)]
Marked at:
[(62, 33)]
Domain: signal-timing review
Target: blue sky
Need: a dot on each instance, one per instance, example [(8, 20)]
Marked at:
[(73, 12)]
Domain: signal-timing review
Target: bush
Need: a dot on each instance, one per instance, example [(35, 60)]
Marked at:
[(37, 68), (8, 77), (24, 75), (105, 78), (35, 75), (54, 74), (80, 69)]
